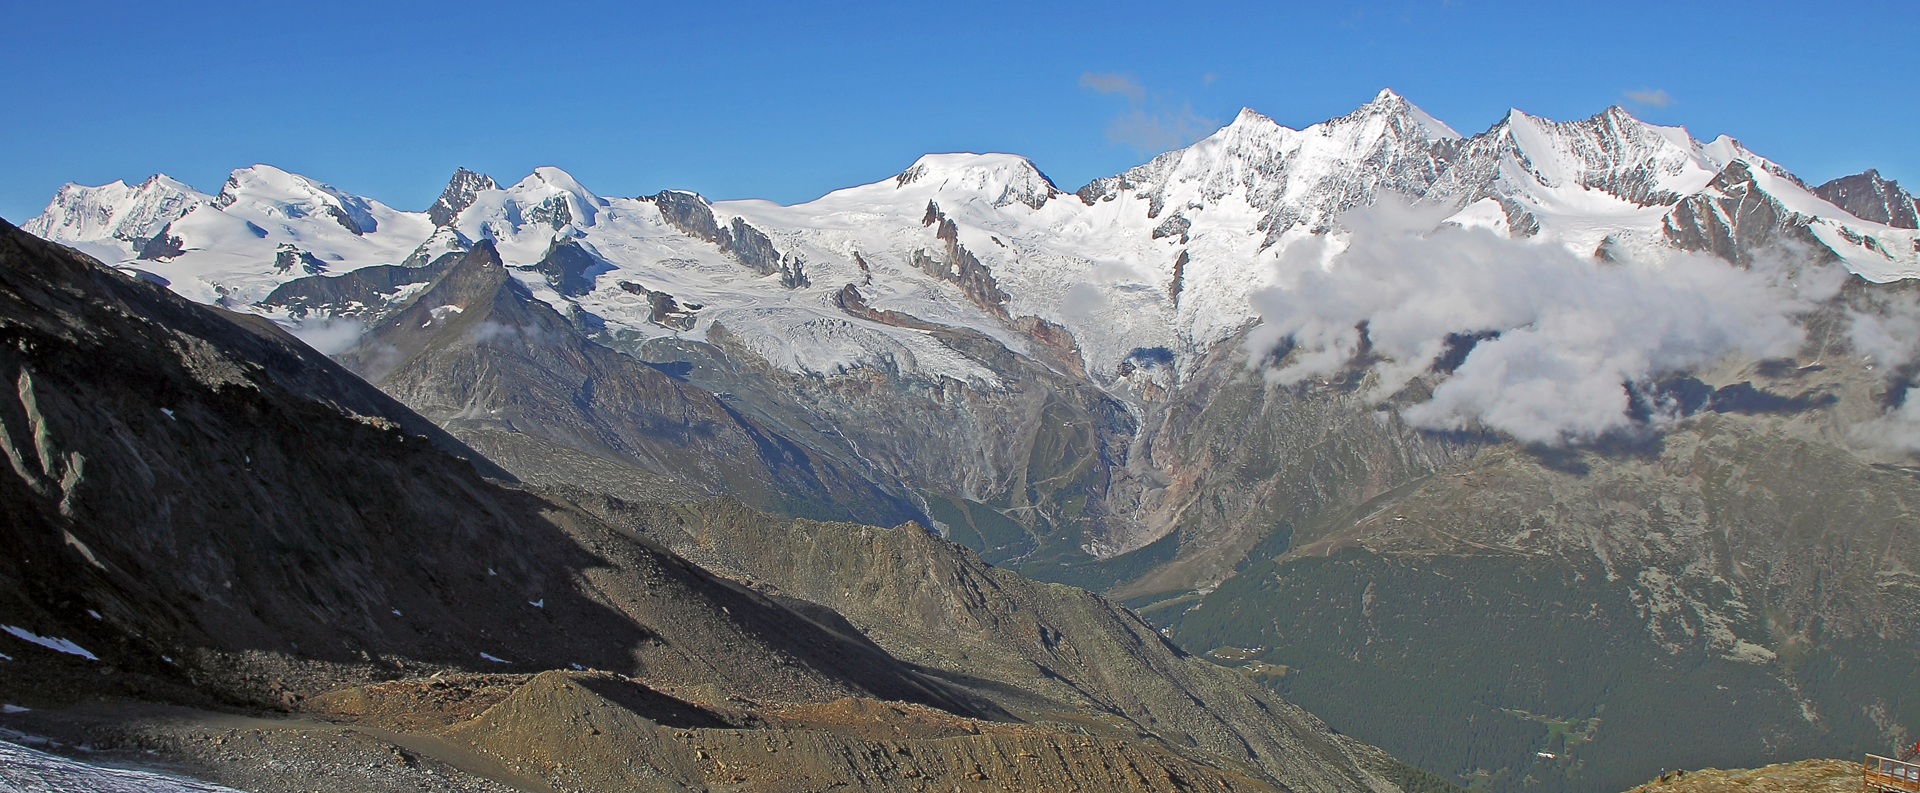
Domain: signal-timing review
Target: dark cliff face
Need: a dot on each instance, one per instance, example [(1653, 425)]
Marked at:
[(1869, 197), (459, 195), (217, 513)]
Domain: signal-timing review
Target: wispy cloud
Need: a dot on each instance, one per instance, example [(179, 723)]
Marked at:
[(1150, 122), (1108, 83), (1652, 97)]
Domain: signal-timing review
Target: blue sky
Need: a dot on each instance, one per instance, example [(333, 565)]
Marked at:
[(787, 101)]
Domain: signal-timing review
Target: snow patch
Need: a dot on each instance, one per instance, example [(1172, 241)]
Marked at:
[(50, 643)]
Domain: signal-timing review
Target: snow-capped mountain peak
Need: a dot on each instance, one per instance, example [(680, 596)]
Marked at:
[(1298, 179), (1391, 104), (279, 194), (1000, 179), (460, 192), (115, 213), (536, 207)]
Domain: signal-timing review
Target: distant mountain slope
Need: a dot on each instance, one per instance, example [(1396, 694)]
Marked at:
[(477, 353), (1126, 286)]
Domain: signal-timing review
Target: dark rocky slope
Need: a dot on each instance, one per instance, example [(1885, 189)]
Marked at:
[(241, 512)]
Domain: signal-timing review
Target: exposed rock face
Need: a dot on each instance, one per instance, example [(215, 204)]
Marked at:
[(287, 258), (475, 352), (569, 268), (163, 246), (1869, 197), (363, 294), (460, 192), (1736, 218), (666, 311), (747, 245), (962, 268)]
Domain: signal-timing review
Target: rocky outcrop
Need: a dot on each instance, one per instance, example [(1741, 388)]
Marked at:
[(666, 311), (460, 193), (751, 247), (365, 294), (288, 257), (162, 246), (569, 267), (1735, 217), (1869, 197), (960, 266)]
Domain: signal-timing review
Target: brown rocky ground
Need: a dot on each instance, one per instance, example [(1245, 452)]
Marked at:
[(568, 731), (1806, 776)]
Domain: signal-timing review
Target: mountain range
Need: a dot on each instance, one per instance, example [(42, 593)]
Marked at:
[(1155, 386)]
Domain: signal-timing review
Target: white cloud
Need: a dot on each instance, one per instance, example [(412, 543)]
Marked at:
[(1572, 329), (1652, 97), (329, 336)]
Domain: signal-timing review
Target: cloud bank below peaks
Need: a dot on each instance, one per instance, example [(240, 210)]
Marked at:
[(1562, 334)]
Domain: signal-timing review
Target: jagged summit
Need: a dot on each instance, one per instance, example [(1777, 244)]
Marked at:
[(1868, 196), (534, 208), (460, 192)]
